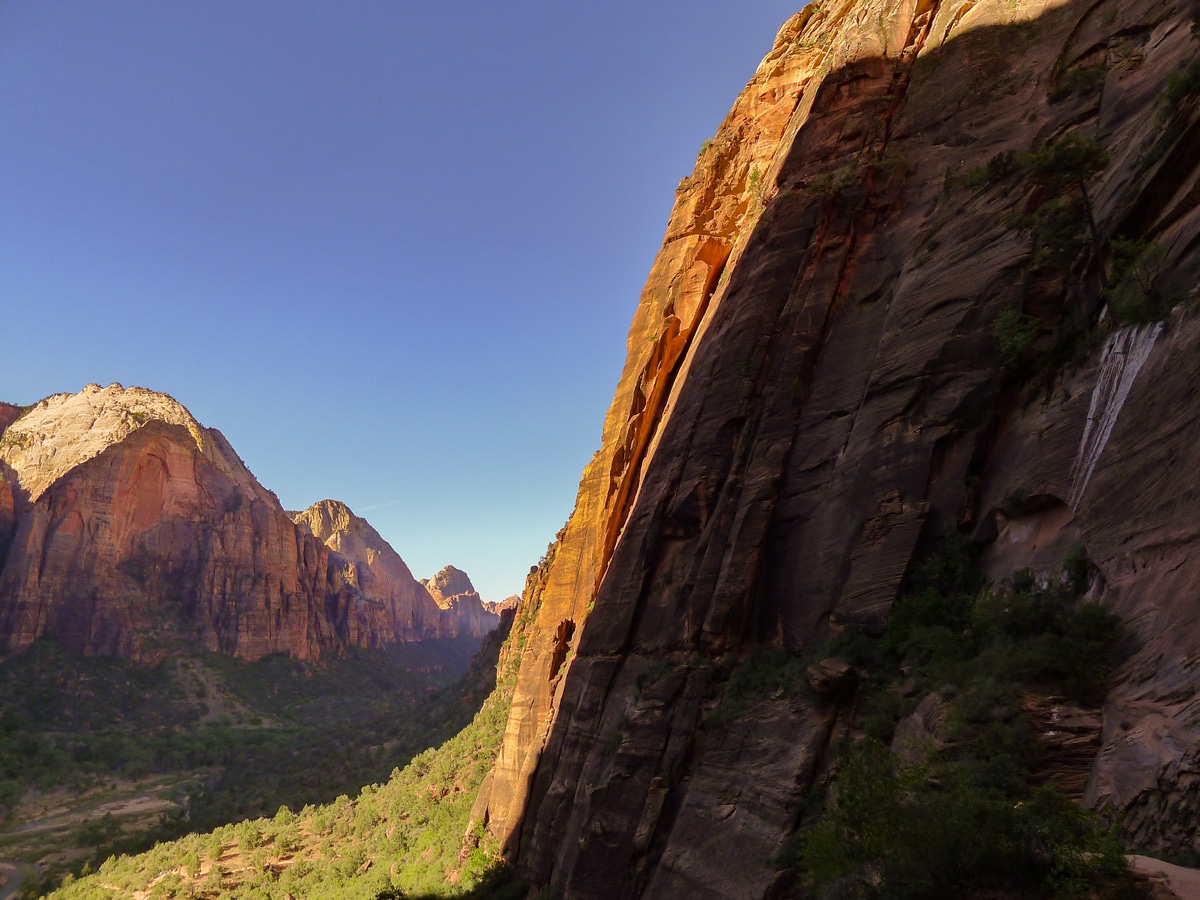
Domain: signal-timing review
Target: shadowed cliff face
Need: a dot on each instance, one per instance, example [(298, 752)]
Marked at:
[(129, 528), (813, 388)]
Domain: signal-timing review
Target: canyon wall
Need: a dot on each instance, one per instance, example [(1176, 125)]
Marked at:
[(129, 529), (814, 389)]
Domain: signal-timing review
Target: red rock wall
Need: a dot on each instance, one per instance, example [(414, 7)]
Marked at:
[(153, 542), (149, 542), (771, 463)]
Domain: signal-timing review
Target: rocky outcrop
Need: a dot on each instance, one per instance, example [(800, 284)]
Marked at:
[(448, 583), (1070, 738), (813, 388), (463, 610), (497, 607), (133, 528), (922, 731)]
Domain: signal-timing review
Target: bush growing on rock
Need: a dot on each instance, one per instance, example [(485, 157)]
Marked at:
[(897, 830), (970, 818)]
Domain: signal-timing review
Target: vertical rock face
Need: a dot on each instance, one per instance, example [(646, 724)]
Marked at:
[(131, 527), (813, 386)]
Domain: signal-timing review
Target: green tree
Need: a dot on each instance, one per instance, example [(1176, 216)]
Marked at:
[(1069, 164), (1014, 332)]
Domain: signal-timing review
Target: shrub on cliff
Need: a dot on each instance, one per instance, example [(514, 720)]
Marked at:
[(1060, 218), (1014, 333), (1181, 85), (1133, 298), (897, 830), (969, 819), (1031, 634), (1079, 82)]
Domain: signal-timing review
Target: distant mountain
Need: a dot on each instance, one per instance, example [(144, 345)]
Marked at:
[(447, 583), (127, 527), (498, 607), (452, 590), (451, 584), (365, 565)]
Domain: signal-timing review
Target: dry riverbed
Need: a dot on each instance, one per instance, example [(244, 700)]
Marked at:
[(49, 829)]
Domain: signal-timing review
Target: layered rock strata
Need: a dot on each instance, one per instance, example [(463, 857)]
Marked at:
[(814, 389), (130, 528)]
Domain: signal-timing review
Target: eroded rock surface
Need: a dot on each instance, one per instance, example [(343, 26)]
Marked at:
[(813, 389)]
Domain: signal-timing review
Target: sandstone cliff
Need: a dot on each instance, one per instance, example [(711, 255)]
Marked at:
[(449, 582), (814, 387), (130, 527)]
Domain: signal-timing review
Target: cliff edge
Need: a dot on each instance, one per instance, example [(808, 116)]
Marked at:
[(934, 272)]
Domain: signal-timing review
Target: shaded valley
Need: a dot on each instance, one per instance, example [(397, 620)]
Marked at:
[(100, 755)]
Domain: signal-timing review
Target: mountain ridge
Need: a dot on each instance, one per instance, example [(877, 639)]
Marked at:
[(130, 527)]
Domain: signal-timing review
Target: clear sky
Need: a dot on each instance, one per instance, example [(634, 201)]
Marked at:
[(390, 249)]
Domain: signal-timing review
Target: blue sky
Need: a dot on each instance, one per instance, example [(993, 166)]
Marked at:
[(390, 249)]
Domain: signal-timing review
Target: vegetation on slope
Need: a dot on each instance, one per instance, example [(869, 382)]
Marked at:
[(404, 837), (972, 816), (101, 756), (928, 830)]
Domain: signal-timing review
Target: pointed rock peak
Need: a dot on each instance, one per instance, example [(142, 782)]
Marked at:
[(334, 524), (63, 431), (449, 582), (327, 517)]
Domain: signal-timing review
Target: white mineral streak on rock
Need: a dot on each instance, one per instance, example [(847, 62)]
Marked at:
[(1125, 352)]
